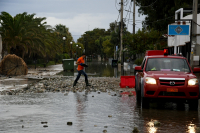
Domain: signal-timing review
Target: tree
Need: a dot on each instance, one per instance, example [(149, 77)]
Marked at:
[(28, 36), (160, 13), (93, 40), (88, 40), (108, 47), (145, 40)]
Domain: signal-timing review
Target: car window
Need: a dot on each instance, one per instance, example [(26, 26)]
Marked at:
[(167, 64)]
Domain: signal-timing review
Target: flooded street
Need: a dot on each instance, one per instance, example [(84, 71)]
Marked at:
[(90, 114), (102, 109)]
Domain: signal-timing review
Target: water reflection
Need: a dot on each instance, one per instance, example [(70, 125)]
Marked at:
[(151, 128), (191, 128), (86, 111), (170, 119), (80, 108)]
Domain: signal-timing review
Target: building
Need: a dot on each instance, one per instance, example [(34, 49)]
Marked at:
[(182, 44)]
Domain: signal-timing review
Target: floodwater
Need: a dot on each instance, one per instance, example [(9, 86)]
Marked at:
[(102, 69), (15, 83), (90, 114), (34, 75)]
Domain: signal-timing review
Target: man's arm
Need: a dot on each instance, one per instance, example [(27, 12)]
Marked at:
[(77, 62)]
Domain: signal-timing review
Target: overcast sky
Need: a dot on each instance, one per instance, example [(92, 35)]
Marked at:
[(78, 15)]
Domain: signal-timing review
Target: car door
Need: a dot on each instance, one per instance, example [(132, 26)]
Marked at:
[(139, 76)]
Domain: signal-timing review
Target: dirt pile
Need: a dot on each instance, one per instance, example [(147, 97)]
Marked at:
[(12, 65)]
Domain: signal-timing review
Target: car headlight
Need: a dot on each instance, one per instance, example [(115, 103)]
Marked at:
[(149, 80), (193, 82)]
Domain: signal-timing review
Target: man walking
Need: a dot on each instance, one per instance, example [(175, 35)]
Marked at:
[(80, 62)]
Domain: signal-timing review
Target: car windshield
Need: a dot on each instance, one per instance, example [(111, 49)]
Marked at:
[(167, 64)]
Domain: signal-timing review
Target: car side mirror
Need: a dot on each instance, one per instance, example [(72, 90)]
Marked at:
[(196, 70), (138, 69)]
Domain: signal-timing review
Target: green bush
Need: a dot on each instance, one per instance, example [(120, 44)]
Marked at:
[(40, 61), (51, 63), (138, 61), (66, 56)]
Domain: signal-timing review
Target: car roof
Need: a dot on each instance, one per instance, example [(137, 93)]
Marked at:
[(166, 56)]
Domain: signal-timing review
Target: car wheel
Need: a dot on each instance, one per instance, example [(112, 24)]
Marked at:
[(138, 92), (138, 95), (145, 102), (193, 104)]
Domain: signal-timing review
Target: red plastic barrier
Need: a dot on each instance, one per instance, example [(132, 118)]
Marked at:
[(128, 93), (127, 81)]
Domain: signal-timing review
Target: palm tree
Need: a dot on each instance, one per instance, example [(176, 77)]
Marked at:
[(26, 35), (19, 33)]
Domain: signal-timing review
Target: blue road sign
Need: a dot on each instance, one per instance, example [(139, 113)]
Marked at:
[(178, 30)]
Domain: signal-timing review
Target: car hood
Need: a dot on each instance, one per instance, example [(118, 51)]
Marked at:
[(169, 74)]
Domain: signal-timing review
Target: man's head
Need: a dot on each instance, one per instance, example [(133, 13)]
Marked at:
[(83, 55)]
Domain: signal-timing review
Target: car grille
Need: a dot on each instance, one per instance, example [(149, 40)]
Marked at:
[(163, 93), (172, 81)]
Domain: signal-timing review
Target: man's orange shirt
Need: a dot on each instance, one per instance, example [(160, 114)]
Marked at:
[(80, 60)]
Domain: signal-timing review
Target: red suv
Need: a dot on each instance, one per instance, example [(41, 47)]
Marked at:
[(166, 77)]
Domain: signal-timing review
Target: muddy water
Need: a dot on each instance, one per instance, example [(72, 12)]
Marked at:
[(15, 83), (90, 113), (101, 69)]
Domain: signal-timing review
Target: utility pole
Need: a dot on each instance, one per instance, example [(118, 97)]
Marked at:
[(115, 52), (121, 33), (133, 16), (194, 31), (1, 47)]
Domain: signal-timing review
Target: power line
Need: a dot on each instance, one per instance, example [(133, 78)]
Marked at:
[(150, 4), (196, 23), (116, 6), (118, 16), (137, 27), (160, 19), (128, 12), (129, 9), (117, 3), (156, 20), (132, 20), (125, 3), (132, 24)]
